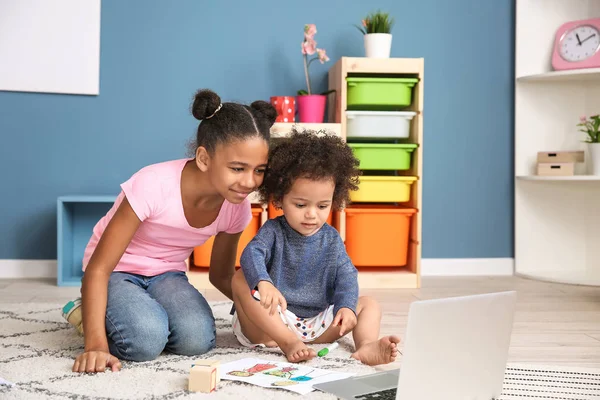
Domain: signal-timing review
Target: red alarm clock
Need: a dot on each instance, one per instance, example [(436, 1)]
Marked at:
[(577, 45)]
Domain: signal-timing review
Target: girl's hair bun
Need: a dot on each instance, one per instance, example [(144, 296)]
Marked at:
[(205, 104), (265, 110)]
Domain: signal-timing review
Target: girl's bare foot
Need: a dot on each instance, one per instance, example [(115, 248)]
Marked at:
[(297, 351), (382, 351)]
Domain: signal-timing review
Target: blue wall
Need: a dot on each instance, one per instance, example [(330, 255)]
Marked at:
[(154, 55)]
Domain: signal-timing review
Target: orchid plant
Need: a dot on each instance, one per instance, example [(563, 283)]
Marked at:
[(309, 47), (591, 127)]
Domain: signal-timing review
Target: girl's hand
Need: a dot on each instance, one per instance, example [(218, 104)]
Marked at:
[(346, 318), (96, 361), (271, 297)]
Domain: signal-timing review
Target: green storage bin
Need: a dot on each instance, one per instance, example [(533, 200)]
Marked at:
[(383, 156), (379, 93)]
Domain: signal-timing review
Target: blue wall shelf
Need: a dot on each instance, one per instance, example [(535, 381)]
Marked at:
[(76, 217)]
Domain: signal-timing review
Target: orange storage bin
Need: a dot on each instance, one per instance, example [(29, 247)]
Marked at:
[(273, 212), (378, 236), (202, 253)]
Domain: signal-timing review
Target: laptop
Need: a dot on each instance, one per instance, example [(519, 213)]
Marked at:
[(454, 349)]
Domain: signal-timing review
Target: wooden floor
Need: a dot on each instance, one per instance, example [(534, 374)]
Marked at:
[(555, 324)]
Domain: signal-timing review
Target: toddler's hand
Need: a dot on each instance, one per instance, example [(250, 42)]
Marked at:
[(346, 318), (271, 297), (96, 361)]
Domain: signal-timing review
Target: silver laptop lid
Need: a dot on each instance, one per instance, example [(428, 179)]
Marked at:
[(457, 348)]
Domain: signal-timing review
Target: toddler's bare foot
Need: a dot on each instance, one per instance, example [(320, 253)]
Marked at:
[(271, 343), (382, 351), (297, 351)]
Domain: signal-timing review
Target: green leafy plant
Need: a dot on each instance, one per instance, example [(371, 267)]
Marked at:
[(377, 22), (590, 126)]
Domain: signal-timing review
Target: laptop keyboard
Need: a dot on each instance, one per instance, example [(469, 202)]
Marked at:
[(389, 394)]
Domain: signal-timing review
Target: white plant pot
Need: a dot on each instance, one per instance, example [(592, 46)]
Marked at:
[(594, 150), (378, 45)]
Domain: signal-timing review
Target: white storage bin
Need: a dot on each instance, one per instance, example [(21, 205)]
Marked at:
[(378, 124)]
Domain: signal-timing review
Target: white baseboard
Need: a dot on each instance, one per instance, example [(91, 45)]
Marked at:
[(10, 269), (15, 269), (467, 266)]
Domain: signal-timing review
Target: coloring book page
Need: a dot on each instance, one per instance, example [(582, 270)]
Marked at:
[(278, 375)]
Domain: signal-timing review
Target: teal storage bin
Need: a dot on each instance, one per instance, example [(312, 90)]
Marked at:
[(383, 156), (379, 93)]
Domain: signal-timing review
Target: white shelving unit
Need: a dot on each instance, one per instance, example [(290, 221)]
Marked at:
[(557, 222)]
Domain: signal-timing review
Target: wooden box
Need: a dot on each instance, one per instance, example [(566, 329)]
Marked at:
[(556, 169), (560, 157)]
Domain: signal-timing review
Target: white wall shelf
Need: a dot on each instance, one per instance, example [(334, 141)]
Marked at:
[(589, 74), (575, 178), (557, 228)]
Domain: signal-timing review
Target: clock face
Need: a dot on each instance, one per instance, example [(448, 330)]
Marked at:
[(579, 43)]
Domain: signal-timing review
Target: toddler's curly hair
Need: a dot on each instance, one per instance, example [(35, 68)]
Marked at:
[(312, 155)]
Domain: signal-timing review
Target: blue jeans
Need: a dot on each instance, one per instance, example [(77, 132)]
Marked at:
[(146, 315)]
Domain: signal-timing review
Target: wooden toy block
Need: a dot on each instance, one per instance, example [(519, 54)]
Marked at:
[(202, 379), (210, 363)]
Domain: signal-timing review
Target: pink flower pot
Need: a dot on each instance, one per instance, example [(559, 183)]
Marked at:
[(311, 108)]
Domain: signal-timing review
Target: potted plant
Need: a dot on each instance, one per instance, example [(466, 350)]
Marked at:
[(377, 31), (311, 107), (591, 126)]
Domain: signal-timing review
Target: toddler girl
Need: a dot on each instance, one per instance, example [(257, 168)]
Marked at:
[(297, 284)]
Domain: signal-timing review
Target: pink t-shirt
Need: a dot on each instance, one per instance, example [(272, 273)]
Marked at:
[(164, 239)]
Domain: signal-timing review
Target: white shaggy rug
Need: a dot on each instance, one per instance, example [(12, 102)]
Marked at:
[(37, 350)]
